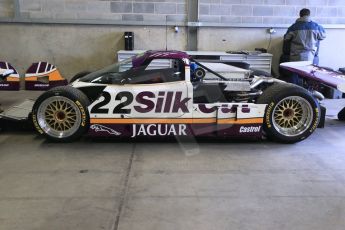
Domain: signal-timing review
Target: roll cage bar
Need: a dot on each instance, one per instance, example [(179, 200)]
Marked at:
[(209, 70)]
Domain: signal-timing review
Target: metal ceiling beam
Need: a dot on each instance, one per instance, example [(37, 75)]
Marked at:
[(150, 23)]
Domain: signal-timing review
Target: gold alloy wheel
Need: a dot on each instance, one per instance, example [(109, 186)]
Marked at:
[(292, 116), (59, 116)]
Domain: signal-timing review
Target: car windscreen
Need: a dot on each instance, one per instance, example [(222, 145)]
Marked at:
[(115, 72)]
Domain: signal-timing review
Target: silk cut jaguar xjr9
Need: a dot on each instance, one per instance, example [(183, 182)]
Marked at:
[(167, 93)]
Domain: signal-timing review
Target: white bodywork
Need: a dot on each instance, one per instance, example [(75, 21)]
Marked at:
[(161, 94)]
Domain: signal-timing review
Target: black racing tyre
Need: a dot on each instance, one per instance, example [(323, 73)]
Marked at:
[(61, 114), (292, 113), (79, 75)]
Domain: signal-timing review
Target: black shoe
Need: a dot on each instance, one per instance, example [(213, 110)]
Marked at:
[(341, 115)]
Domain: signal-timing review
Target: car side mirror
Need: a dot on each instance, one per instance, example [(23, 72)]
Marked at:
[(125, 81), (177, 74)]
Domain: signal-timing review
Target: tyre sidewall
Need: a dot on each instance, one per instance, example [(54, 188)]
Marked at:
[(81, 105), (268, 120)]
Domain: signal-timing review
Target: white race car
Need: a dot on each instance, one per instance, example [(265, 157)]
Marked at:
[(178, 96)]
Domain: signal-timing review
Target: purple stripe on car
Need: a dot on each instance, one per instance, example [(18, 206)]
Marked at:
[(169, 130)]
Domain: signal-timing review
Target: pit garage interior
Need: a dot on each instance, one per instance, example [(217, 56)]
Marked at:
[(166, 183)]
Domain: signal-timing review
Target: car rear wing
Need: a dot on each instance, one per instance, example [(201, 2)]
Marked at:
[(9, 77), (39, 76), (43, 76)]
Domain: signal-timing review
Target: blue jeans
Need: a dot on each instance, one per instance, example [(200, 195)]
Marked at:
[(295, 79)]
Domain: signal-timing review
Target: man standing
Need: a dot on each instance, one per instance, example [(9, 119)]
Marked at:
[(304, 37)]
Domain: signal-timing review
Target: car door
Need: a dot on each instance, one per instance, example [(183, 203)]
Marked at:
[(159, 91), (149, 99)]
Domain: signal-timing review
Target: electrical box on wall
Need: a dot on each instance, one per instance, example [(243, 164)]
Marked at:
[(271, 30), (129, 40)]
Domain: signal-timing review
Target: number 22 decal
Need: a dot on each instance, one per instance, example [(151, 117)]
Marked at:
[(119, 108)]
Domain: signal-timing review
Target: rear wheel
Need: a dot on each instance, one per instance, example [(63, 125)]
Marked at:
[(61, 114), (292, 114)]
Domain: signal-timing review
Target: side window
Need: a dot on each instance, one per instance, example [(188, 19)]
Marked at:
[(161, 71)]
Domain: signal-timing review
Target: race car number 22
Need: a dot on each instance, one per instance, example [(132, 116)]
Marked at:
[(146, 101), (119, 108)]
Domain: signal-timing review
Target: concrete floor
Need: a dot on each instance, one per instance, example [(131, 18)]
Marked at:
[(170, 185)]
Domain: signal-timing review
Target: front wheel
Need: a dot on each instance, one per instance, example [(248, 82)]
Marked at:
[(61, 114), (292, 113)]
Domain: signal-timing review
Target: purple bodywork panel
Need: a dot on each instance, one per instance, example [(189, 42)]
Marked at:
[(140, 59), (315, 73)]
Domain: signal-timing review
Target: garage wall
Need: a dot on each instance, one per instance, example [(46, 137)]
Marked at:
[(6, 8), (78, 47), (232, 25), (216, 11), (269, 12), (221, 39), (133, 10), (74, 48)]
